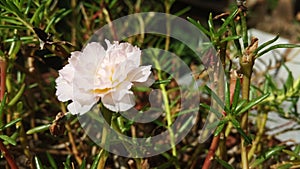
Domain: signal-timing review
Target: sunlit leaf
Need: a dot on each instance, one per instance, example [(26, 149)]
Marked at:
[(11, 123), (97, 159), (224, 163), (252, 103), (277, 47), (260, 47), (198, 25), (8, 139), (211, 25), (292, 154), (230, 38), (266, 155), (38, 129), (229, 19), (38, 163), (16, 98), (219, 129)]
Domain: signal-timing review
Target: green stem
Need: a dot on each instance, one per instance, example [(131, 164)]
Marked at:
[(167, 108), (244, 120), (103, 158), (262, 120), (246, 62), (104, 154)]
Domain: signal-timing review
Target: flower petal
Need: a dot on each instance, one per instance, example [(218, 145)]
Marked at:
[(140, 74), (124, 104), (76, 108)]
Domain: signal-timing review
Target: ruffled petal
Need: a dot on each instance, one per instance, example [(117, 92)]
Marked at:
[(123, 104), (76, 108), (140, 74)]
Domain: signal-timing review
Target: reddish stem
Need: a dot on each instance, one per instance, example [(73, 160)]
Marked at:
[(7, 156), (215, 142), (3, 149), (211, 152)]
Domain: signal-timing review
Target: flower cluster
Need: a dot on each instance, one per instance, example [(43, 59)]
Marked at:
[(96, 73)]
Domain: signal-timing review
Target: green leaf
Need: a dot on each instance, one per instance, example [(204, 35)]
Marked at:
[(239, 106), (277, 47), (290, 79), (14, 100), (252, 103), (10, 124), (27, 7), (67, 164), (211, 25), (10, 19), (23, 38), (112, 3), (38, 163), (14, 136), (285, 166), (266, 155), (292, 154), (97, 159), (266, 44), (248, 139), (14, 47), (227, 95), (224, 163), (57, 17), (183, 11), (219, 129), (211, 109), (2, 106), (36, 16), (198, 25), (237, 125), (12, 27), (216, 98), (159, 82), (51, 160), (38, 129), (236, 94), (271, 84), (228, 20), (83, 164), (8, 139), (296, 151), (230, 38), (214, 124), (13, 8)]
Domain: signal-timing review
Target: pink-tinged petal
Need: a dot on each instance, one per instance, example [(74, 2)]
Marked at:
[(122, 90), (76, 108), (140, 74), (64, 90), (124, 104), (135, 57), (147, 83), (93, 53), (67, 73)]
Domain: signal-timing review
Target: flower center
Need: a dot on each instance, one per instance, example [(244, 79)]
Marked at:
[(101, 91)]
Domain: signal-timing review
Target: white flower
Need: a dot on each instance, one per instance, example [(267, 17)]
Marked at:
[(96, 73)]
